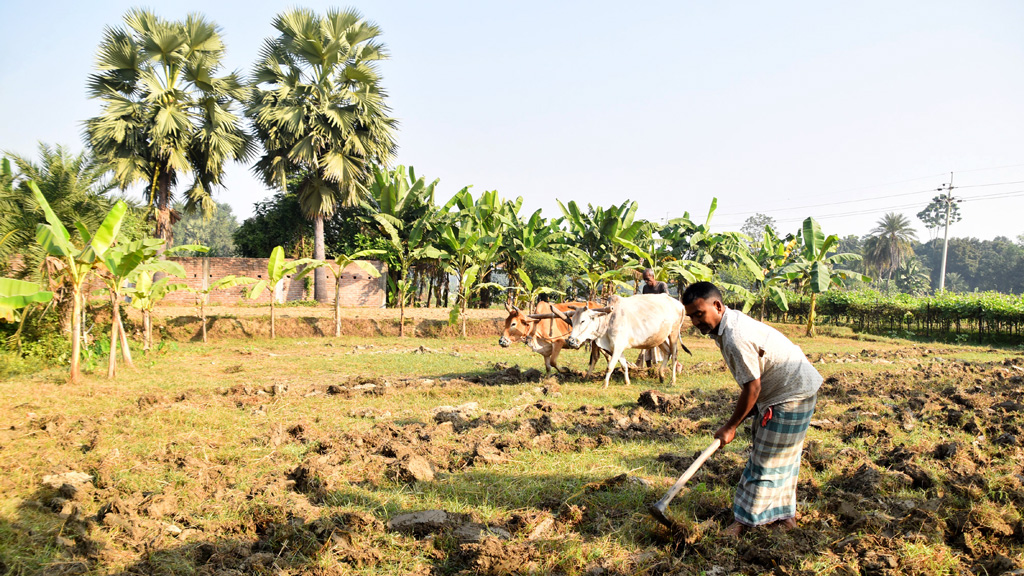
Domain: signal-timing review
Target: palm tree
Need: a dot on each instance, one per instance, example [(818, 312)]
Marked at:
[(890, 245), (73, 186), (165, 112), (319, 111)]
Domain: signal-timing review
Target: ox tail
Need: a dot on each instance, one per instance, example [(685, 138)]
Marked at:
[(685, 349)]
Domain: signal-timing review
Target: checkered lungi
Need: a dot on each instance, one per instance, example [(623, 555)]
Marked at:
[(767, 489)]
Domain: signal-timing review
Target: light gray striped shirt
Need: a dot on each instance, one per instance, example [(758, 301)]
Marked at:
[(754, 350)]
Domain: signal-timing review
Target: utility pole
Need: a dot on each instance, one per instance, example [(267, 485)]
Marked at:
[(948, 199)]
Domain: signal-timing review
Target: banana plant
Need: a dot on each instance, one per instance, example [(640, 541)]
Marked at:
[(17, 295), (122, 262), (595, 231), (277, 270), (79, 261), (339, 265), (771, 253), (525, 295), (146, 294), (202, 295), (815, 271), (405, 252), (470, 242), (398, 203), (525, 237)]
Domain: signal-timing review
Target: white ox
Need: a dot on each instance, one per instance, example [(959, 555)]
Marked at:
[(644, 321)]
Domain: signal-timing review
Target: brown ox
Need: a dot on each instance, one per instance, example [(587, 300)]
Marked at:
[(546, 335)]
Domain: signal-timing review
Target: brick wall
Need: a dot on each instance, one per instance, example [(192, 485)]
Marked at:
[(357, 287)]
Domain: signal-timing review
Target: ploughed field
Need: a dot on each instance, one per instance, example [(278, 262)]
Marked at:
[(448, 456)]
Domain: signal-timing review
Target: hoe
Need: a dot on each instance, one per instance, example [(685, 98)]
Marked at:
[(660, 508)]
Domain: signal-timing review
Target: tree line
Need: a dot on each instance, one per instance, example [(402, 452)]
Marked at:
[(312, 121)]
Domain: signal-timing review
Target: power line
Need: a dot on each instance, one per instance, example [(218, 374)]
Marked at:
[(868, 199), (984, 169), (994, 196), (928, 191), (992, 184)]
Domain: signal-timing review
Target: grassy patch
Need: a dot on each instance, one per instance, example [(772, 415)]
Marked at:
[(246, 454)]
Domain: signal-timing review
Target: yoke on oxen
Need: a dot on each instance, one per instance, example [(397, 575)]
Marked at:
[(545, 331)]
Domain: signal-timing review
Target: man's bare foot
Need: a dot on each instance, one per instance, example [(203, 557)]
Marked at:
[(785, 525), (735, 530)]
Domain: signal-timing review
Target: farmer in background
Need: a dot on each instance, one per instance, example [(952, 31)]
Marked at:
[(779, 388), (651, 286)]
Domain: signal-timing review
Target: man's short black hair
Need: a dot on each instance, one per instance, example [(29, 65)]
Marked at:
[(701, 291)]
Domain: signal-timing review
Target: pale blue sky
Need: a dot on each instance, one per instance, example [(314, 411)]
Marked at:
[(836, 110)]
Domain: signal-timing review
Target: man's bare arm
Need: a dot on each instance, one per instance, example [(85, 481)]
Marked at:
[(744, 406)]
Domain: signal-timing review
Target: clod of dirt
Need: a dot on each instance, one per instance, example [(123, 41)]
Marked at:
[(414, 468), (491, 556), (505, 374), (1005, 439), (147, 401), (160, 505), (486, 453), (475, 532), (946, 451), (419, 523), (999, 564), (817, 455), (1010, 406), (541, 528), (879, 565), (535, 524), (457, 415), (617, 481), (864, 481), (70, 486), (850, 514), (657, 402), (921, 479), (74, 479)]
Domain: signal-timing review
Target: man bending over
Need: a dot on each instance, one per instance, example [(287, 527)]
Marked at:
[(778, 387)]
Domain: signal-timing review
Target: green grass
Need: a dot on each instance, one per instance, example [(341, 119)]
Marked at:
[(193, 421)]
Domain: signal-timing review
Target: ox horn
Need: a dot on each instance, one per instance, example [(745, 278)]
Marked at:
[(605, 310)]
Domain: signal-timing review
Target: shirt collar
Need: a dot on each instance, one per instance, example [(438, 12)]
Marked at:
[(722, 325)]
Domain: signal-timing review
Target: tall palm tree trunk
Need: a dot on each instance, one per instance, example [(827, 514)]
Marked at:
[(163, 209), (273, 332), (320, 293), (202, 316)]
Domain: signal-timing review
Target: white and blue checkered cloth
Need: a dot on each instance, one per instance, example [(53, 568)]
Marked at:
[(767, 489)]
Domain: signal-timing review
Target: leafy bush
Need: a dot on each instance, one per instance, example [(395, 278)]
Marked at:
[(983, 312)]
